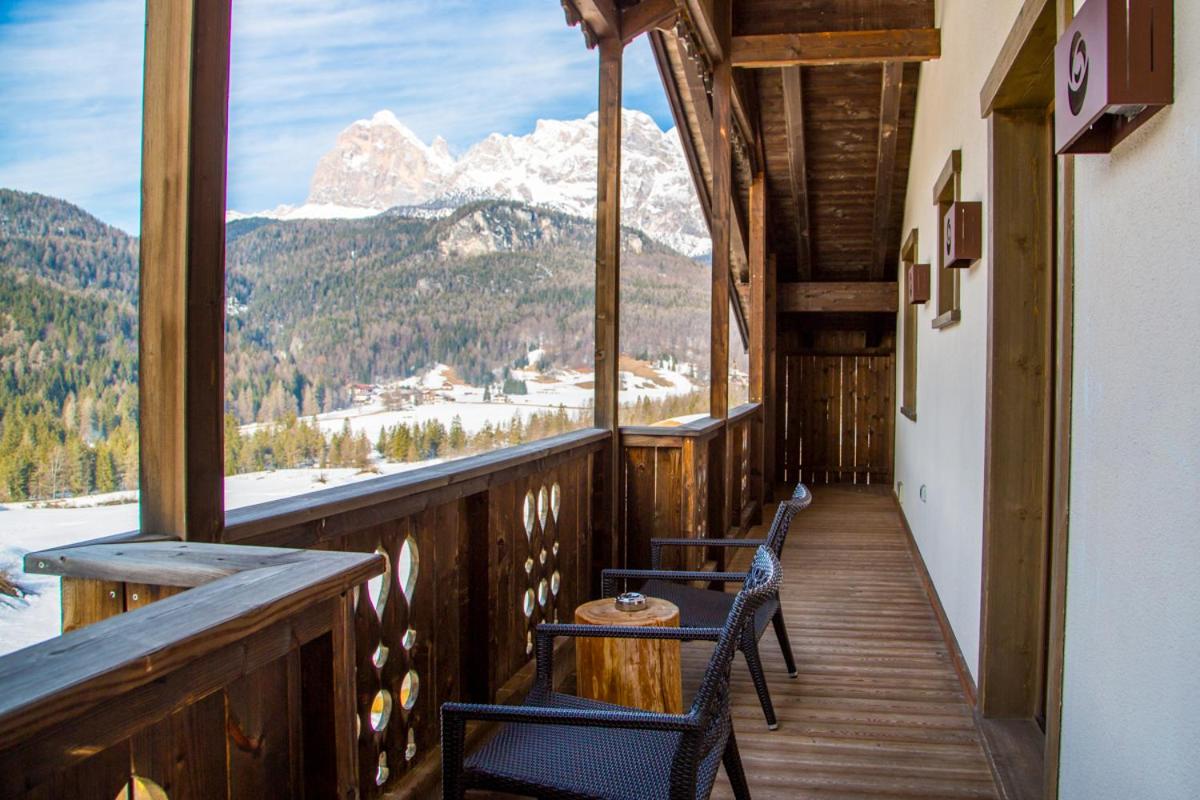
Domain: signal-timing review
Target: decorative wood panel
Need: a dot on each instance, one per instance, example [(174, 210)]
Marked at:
[(838, 419)]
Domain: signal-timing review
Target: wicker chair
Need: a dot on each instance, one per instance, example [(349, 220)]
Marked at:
[(561, 746), (704, 608)]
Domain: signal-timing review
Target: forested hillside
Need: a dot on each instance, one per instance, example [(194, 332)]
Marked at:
[(312, 306), (346, 301)]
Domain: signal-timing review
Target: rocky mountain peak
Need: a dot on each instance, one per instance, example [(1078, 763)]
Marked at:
[(380, 163)]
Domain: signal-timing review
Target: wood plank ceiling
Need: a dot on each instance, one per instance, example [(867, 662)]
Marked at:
[(832, 182), (831, 133)]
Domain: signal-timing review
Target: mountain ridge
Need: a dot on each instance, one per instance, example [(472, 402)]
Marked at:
[(379, 163)]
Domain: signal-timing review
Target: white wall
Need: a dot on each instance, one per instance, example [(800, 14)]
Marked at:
[(943, 449), (1131, 699)]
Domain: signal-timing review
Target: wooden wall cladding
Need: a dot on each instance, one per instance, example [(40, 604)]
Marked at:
[(837, 419)]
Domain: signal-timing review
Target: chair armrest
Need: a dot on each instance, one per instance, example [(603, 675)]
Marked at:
[(456, 714), (551, 630), (656, 546), (609, 577)]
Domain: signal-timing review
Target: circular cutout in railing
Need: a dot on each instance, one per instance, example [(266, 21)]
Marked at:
[(408, 690), (379, 587), (381, 710), (529, 566), (542, 557), (555, 500), (529, 515), (410, 560), (409, 639), (543, 593), (528, 642), (140, 788), (380, 656), (543, 505), (555, 583), (528, 606), (554, 549), (410, 750), (382, 771)]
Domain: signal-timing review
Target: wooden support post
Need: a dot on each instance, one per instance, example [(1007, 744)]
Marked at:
[(722, 220), (759, 355), (772, 398), (608, 282), (182, 266)]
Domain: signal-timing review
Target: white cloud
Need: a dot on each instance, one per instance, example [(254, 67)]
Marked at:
[(302, 70)]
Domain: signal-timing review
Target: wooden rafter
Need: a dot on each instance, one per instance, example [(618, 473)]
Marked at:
[(847, 297), (885, 163), (701, 14), (602, 16), (836, 47), (793, 107), (647, 16)]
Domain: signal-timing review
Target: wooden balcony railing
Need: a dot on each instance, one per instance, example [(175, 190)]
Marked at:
[(239, 687), (671, 489), (455, 566)]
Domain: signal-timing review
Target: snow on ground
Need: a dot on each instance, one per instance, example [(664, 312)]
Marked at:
[(28, 527)]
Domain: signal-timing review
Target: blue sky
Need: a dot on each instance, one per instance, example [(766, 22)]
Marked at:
[(302, 70)]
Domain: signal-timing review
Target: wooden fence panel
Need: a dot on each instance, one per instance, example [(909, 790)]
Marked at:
[(839, 419)]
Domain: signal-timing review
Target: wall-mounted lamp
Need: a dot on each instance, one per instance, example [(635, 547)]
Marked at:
[(1114, 68)]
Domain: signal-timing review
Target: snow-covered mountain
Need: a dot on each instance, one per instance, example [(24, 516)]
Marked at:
[(379, 163)]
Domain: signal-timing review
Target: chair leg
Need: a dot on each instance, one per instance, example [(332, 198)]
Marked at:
[(784, 644), (750, 651), (733, 768)]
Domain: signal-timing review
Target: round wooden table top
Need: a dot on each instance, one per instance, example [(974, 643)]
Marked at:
[(657, 613)]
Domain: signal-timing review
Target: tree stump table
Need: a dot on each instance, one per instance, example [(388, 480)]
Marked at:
[(639, 673)]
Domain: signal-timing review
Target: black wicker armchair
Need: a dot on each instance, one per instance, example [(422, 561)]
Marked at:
[(561, 746), (704, 608)]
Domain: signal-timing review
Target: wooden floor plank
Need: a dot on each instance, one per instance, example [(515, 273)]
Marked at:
[(877, 711)]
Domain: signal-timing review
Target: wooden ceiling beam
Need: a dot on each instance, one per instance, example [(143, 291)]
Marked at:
[(885, 162), (602, 17), (793, 109), (836, 47), (700, 12), (839, 297), (646, 16)]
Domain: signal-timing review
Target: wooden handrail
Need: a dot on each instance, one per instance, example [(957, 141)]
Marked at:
[(307, 519), (704, 428)]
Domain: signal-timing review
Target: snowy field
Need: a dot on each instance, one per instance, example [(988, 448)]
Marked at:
[(28, 527)]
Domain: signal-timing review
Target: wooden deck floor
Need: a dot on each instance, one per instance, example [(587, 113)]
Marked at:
[(877, 710)]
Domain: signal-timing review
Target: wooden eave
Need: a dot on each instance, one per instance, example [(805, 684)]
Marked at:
[(693, 118)]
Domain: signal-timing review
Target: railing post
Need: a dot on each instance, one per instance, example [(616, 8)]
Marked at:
[(608, 281), (722, 218), (182, 268), (759, 357)]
